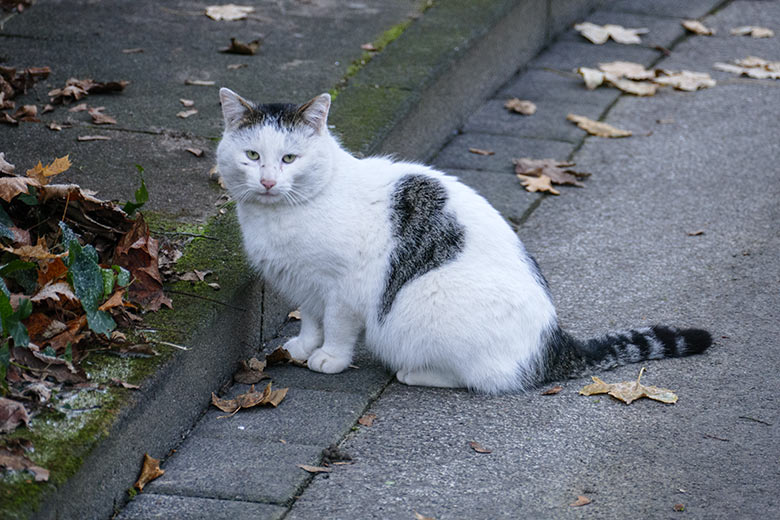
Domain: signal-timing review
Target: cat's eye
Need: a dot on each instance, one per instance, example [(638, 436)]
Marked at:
[(253, 155), (287, 159)]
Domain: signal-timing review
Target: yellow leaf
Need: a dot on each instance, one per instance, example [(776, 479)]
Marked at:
[(597, 128), (150, 471), (43, 174), (540, 183), (629, 391)]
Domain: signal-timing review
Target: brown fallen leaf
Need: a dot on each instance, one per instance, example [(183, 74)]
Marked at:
[(6, 167), (581, 501), (6, 118), (250, 399), (474, 445), (479, 151), (367, 419), (593, 78), (187, 103), (542, 183), (753, 31), (184, 114), (685, 80), (10, 187), (58, 293), (696, 233), (12, 415), (295, 315), (15, 460), (81, 107), (314, 469), (75, 89), (629, 391), (27, 113), (149, 471), (228, 12), (637, 88), (370, 47), (559, 172), (520, 106), (697, 27), (99, 118), (197, 152), (597, 128), (599, 34), (280, 356), (124, 384), (250, 372), (552, 391), (239, 47), (54, 126), (43, 174)]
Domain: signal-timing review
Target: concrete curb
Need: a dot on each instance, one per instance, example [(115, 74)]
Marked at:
[(484, 44)]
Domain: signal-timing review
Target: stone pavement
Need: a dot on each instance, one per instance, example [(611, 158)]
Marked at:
[(618, 253), (621, 252)]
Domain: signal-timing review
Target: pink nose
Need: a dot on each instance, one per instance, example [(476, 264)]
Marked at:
[(268, 184)]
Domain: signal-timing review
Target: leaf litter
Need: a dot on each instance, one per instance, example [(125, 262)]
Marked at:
[(753, 31), (752, 67), (599, 34), (629, 391), (633, 78), (598, 128)]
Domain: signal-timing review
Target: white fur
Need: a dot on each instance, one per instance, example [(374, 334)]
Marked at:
[(322, 237)]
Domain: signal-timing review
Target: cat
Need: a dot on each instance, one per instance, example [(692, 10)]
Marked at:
[(443, 289)]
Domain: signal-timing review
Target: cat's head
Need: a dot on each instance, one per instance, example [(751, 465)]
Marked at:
[(275, 153)]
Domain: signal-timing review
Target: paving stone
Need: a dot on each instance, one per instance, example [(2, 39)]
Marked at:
[(456, 154), (236, 469), (671, 8), (493, 118), (570, 55), (329, 416), (148, 506), (551, 85)]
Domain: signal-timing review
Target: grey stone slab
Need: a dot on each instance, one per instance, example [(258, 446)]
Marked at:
[(236, 469), (502, 190), (549, 121), (312, 417), (456, 154), (671, 8), (661, 31), (565, 13), (147, 506), (550, 85), (569, 55)]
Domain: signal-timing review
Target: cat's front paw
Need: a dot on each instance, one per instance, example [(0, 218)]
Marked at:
[(325, 362), (299, 348)]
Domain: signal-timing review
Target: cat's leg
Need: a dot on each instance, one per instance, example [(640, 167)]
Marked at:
[(310, 337), (342, 328), (422, 377)]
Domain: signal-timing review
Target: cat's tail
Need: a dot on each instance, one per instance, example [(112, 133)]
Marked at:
[(570, 357)]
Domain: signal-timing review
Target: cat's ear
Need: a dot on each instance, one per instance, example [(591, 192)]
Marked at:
[(234, 107), (315, 112)]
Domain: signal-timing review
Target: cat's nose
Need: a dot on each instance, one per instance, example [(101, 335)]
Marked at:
[(267, 183)]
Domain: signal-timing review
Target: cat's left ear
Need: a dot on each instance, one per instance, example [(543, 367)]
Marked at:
[(315, 112)]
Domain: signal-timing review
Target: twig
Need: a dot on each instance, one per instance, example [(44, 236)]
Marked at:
[(708, 436), (205, 298), (754, 420), (182, 233), (169, 344)]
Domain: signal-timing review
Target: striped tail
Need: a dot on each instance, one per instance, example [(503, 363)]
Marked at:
[(637, 345)]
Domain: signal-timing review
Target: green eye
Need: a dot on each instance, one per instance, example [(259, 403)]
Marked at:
[(287, 159), (252, 155)]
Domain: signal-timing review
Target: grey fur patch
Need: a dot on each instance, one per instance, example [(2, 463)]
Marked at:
[(426, 236), (284, 116)]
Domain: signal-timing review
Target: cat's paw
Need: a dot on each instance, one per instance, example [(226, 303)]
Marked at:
[(327, 363), (299, 348)]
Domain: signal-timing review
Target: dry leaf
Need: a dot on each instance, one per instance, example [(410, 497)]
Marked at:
[(93, 138), (197, 152), (239, 47), (250, 399), (696, 233), (552, 391), (418, 516), (294, 315), (36, 252), (150, 471), (599, 34), (59, 292), (367, 419), (627, 69), (236, 66), (124, 384), (479, 151), (13, 460), (559, 172), (43, 174), (200, 82), (593, 78), (581, 501), (99, 118), (597, 128), (370, 47), (520, 106), (629, 391), (541, 183), (685, 80), (637, 88), (12, 415), (228, 12), (81, 107), (184, 114), (28, 113), (6, 167), (313, 469), (187, 103), (752, 67), (250, 372), (752, 30), (54, 126), (10, 187), (697, 27), (474, 445)]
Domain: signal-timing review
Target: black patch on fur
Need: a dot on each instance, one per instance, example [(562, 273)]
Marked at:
[(668, 339), (426, 236), (537, 272), (280, 115)]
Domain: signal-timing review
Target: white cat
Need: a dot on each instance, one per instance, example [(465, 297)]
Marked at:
[(443, 288)]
